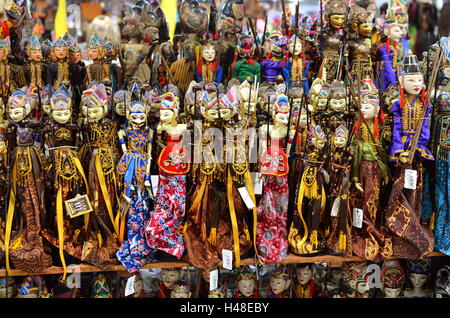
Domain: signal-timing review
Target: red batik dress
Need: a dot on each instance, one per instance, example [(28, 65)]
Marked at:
[(163, 229)]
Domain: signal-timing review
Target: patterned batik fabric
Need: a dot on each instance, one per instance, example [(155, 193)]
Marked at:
[(163, 229), (135, 252), (370, 242), (411, 239), (271, 234), (442, 223)]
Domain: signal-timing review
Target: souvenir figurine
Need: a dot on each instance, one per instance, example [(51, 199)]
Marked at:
[(392, 279), (304, 236), (319, 97), (442, 289), (208, 69), (279, 283), (337, 112), (230, 16), (248, 99), (217, 293), (98, 70), (272, 67), (410, 136), (11, 75), (246, 286), (138, 285), (121, 99), (303, 279), (389, 53), (339, 240), (61, 137), (181, 289), (332, 38), (35, 71), (295, 69), (271, 235), (133, 171), (47, 52), (27, 173), (30, 288), (359, 45), (356, 277), (246, 67), (99, 154), (418, 276), (115, 71), (7, 287), (62, 71), (100, 287), (163, 228), (368, 174), (168, 277), (204, 289), (194, 17)]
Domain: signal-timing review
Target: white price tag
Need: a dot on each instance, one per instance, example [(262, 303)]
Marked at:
[(73, 281), (257, 182), (410, 179), (213, 279), (335, 208), (246, 197), (129, 289), (227, 258), (155, 180), (357, 218)]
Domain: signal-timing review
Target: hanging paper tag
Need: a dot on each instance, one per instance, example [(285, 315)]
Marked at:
[(227, 258), (73, 281), (78, 206), (335, 208), (246, 197), (410, 179), (155, 180), (257, 182), (129, 289), (357, 218), (213, 279)]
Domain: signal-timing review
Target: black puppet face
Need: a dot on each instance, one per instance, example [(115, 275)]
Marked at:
[(194, 17)]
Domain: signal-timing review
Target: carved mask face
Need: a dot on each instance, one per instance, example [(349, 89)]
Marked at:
[(212, 115), (412, 83), (226, 114), (17, 114), (169, 277), (174, 294), (94, 53), (95, 114), (392, 292), (151, 35), (338, 105), (194, 17), (61, 116), (396, 33), (208, 53), (369, 111), (365, 30), (75, 57), (304, 275), (418, 280), (35, 55), (61, 52), (362, 287), (281, 119), (337, 21), (137, 119), (166, 116), (279, 285), (340, 142), (120, 109), (297, 49), (246, 287)]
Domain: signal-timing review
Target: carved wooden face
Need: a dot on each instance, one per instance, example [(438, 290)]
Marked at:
[(62, 116), (246, 287), (412, 83), (279, 285), (35, 55), (194, 17)]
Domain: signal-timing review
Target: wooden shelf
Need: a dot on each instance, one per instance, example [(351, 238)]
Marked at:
[(335, 261)]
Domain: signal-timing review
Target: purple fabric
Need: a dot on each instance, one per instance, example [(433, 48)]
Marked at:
[(401, 139), (270, 70), (387, 73)]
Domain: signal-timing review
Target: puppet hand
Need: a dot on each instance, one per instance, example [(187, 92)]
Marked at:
[(359, 187)]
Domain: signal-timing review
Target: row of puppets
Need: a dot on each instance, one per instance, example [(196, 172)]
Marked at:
[(413, 279), (343, 129)]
